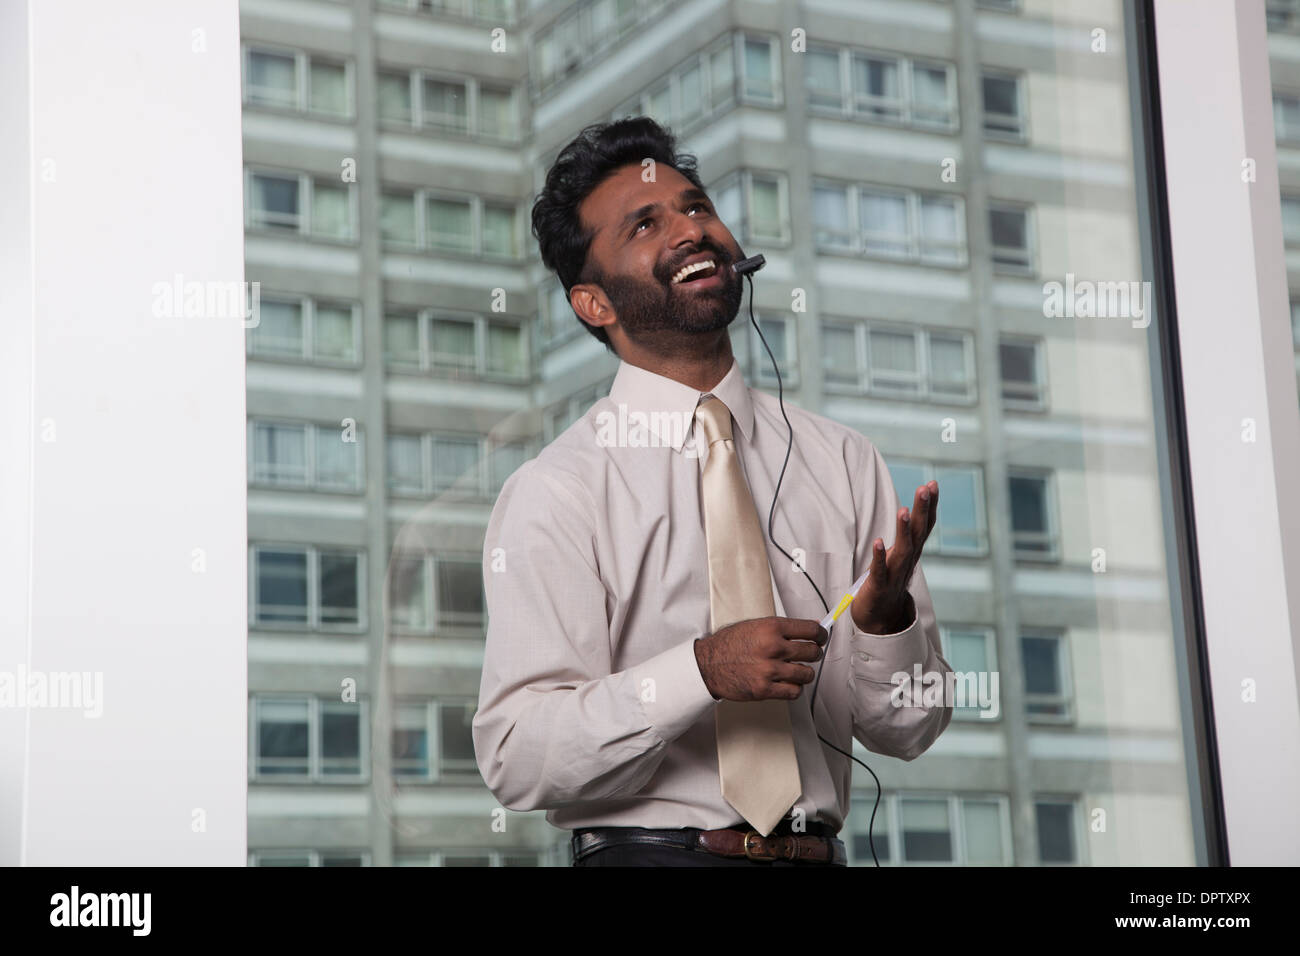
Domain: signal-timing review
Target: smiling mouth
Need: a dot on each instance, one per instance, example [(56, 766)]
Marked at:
[(707, 273)]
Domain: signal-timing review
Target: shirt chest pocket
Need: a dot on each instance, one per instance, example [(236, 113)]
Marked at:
[(832, 572)]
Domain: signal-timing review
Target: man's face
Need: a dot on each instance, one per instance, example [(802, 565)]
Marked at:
[(637, 251)]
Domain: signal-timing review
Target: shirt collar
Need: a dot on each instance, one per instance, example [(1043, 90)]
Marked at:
[(644, 392)]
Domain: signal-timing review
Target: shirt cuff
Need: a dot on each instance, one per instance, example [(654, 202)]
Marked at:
[(671, 690), (877, 657)]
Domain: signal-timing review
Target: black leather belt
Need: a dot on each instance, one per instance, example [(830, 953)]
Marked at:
[(815, 844)]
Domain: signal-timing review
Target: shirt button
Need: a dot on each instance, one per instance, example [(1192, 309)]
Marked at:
[(863, 656)]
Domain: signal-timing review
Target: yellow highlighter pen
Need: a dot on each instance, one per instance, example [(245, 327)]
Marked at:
[(845, 601)]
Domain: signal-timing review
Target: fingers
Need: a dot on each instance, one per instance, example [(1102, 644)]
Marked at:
[(879, 572), (801, 629), (793, 674)]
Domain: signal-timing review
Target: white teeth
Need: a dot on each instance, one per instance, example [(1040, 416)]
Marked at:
[(692, 269)]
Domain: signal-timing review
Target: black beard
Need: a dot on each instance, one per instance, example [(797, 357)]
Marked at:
[(648, 307)]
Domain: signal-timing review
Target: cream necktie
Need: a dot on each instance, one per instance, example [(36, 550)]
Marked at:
[(756, 756)]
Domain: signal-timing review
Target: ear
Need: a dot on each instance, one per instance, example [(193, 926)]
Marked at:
[(592, 305)]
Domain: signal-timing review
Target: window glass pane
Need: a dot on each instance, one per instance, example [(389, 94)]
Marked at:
[(281, 586), (1001, 104), (927, 836), (279, 328), (447, 224), (329, 91), (504, 460), (1042, 665), (338, 588), (722, 77), (340, 744), (395, 97), (338, 459), (1291, 219), (758, 69), (280, 454), (499, 230), (333, 330), (893, 359), (444, 105), (982, 822), (831, 216), (884, 223), (1055, 833), (455, 462), (405, 463), (941, 240), (275, 202), (930, 100), (402, 340), (948, 375), (409, 593), (839, 354), (282, 746), (272, 79), (822, 76), (496, 113), (909, 477), (875, 88), (451, 344), (411, 741), (960, 521), (397, 218), (1029, 519), (766, 199), (460, 593), (456, 739), (331, 214)]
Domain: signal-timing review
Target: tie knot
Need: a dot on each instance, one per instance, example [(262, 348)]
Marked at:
[(715, 417)]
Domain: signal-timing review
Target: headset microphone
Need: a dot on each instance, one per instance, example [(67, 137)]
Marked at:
[(745, 267)]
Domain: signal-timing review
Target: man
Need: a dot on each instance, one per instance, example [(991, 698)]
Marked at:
[(649, 647)]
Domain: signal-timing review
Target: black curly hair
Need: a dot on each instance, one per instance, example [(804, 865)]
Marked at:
[(587, 161)]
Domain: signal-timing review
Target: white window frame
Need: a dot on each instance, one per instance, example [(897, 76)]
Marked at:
[(314, 857), (956, 823), (303, 60), (741, 72), (441, 773), (307, 306), (313, 622), (913, 241)]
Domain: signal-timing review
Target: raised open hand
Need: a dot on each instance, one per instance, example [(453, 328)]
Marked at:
[(883, 604)]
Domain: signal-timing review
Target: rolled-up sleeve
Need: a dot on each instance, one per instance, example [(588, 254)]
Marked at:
[(885, 720), (554, 726)]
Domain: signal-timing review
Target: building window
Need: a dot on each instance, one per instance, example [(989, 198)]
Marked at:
[(583, 33), (415, 219), (306, 587), (433, 592), (1057, 820), (890, 223), (1032, 526), (1047, 677), (898, 361), (1295, 323), (309, 858), (926, 830), (559, 322), (696, 91), (451, 722), (455, 739), (411, 741), (1282, 16), (469, 857), (493, 11), (300, 204), (951, 829), (308, 738), (752, 205), (753, 355), (308, 329), (761, 69), (1291, 219), (323, 458), (1004, 108), (1009, 232), (960, 527), (1024, 380), (455, 347), (972, 650), (447, 104), (862, 833), (293, 80), (881, 87)]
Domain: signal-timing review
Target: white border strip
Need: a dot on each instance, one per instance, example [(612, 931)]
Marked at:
[(1238, 372)]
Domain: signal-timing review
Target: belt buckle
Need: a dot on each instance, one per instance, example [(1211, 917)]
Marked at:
[(752, 856)]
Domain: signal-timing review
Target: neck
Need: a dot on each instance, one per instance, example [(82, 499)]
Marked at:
[(700, 368)]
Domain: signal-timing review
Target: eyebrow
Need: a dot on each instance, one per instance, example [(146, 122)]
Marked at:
[(642, 211)]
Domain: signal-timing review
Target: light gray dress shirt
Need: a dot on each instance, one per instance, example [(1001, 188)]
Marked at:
[(591, 703)]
